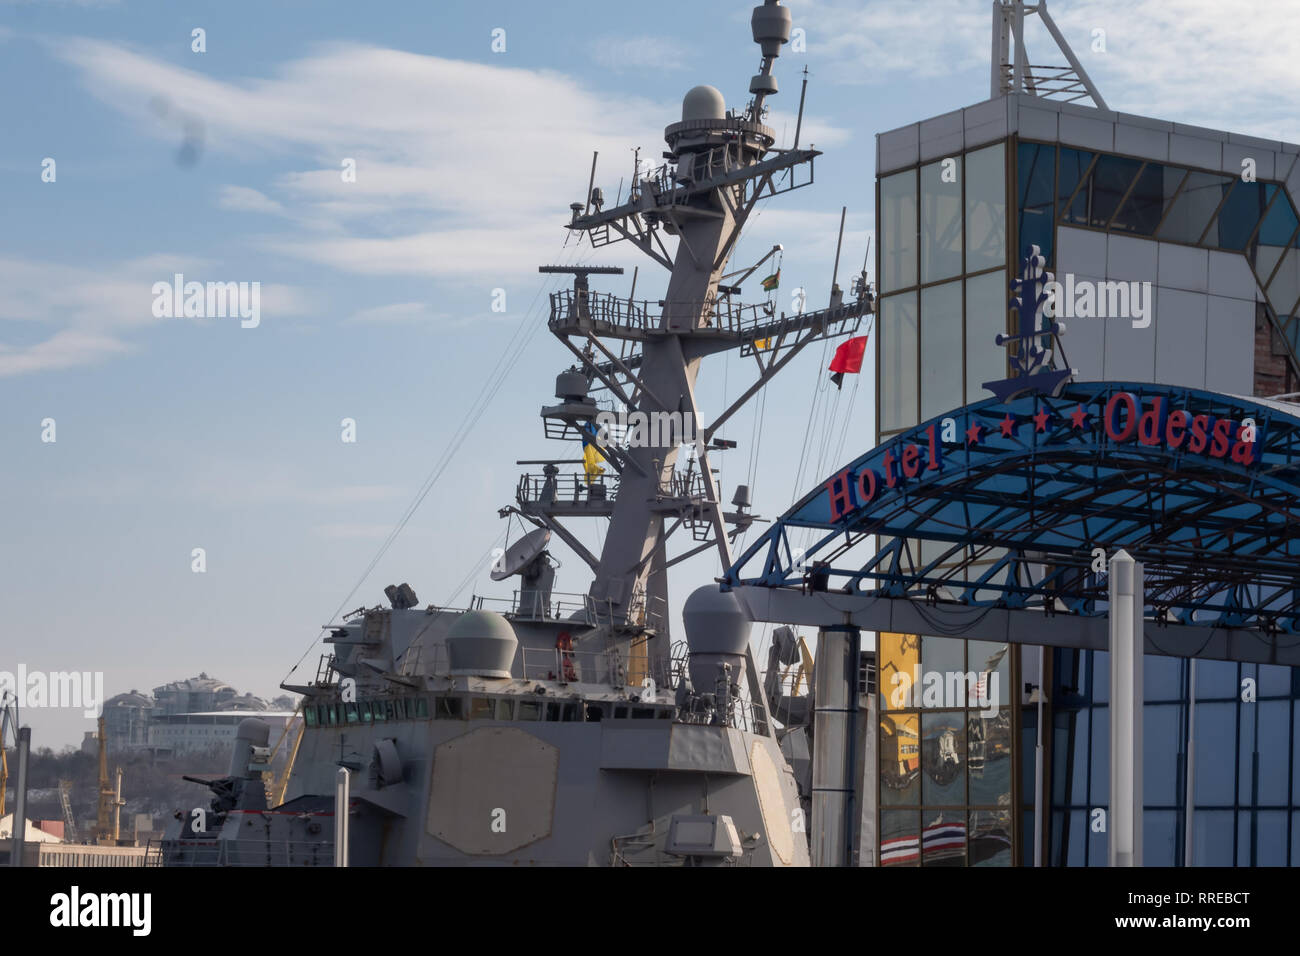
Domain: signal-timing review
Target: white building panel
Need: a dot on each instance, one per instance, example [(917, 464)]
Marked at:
[(1130, 352), (1136, 260), (1195, 151), (1141, 141), (1180, 326), (1230, 276), (1038, 123), (1086, 132), (1182, 267), (1080, 251), (1235, 155), (898, 149), (1230, 345)]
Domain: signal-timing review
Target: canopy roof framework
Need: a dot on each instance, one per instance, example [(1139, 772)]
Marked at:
[(1011, 510)]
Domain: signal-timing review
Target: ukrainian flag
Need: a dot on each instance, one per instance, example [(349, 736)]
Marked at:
[(591, 457)]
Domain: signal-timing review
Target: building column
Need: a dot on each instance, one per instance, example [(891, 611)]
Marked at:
[(1127, 597), (835, 720)]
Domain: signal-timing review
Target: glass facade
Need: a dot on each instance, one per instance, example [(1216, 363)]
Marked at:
[(1060, 185), (1246, 771), (945, 752), (946, 790), (943, 251)]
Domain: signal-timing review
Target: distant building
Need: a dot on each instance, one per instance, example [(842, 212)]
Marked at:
[(126, 721), (193, 733), (138, 721), (196, 695)]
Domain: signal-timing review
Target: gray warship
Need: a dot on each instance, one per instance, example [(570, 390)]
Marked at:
[(574, 729)]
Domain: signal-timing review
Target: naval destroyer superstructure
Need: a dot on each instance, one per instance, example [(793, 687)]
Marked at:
[(576, 730)]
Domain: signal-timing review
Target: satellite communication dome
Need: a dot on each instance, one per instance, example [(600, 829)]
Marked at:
[(481, 644), (703, 103)]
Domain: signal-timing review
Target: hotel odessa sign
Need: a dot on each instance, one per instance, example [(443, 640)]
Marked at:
[(1125, 418)]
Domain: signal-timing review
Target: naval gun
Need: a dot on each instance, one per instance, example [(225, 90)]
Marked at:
[(243, 787)]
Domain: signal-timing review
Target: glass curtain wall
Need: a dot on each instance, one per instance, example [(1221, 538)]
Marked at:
[(1060, 185), (945, 749), (943, 287), (1246, 768)]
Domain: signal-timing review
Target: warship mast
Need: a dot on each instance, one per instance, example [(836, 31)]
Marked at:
[(719, 165)]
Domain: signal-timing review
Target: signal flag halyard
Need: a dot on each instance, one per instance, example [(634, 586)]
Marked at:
[(848, 358)]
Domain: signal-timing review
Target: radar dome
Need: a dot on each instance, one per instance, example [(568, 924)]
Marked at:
[(703, 103), (481, 644)]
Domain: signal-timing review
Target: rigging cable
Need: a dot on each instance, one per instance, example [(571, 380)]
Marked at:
[(492, 384)]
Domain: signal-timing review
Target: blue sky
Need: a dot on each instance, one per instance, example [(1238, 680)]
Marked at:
[(174, 434)]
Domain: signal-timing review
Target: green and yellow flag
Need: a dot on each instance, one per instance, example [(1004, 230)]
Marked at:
[(772, 281)]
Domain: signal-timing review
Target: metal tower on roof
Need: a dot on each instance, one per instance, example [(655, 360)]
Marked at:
[(1015, 74)]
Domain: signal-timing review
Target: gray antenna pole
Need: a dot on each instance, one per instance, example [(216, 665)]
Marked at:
[(591, 183), (835, 276), (798, 123)]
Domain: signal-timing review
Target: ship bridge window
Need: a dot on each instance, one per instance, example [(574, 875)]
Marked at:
[(620, 713), (363, 707), (595, 712), (503, 708), (530, 710), (350, 712), (561, 712), (480, 708), (382, 709), (309, 715), (640, 713), (447, 708)]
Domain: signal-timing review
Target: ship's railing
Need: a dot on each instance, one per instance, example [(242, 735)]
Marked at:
[(741, 713), (721, 313), (533, 605), (238, 853), (683, 484), (570, 305), (572, 667), (565, 489)]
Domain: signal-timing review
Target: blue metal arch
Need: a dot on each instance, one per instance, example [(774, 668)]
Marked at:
[(1014, 507)]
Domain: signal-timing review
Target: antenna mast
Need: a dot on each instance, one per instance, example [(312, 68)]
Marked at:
[(1015, 74)]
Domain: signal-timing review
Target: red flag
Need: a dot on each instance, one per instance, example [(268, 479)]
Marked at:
[(848, 358)]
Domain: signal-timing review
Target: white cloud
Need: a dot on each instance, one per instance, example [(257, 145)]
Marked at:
[(638, 53), (67, 349), (94, 307), (244, 199), (399, 312), (471, 189), (1194, 61), (1230, 67), (887, 43)]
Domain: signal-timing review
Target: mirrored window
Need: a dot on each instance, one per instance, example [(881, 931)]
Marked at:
[(941, 229), (941, 349), (898, 357), (898, 231)]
